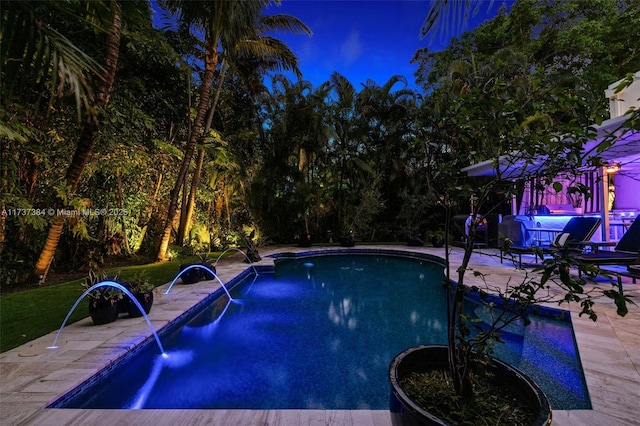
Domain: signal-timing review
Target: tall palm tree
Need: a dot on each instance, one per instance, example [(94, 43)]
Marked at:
[(297, 141), (111, 15), (222, 24), (225, 25), (276, 56), (388, 121)]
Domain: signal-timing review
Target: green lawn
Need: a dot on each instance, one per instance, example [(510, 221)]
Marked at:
[(29, 314)]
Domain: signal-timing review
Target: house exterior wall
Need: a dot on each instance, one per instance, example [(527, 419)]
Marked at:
[(621, 102), (627, 190)]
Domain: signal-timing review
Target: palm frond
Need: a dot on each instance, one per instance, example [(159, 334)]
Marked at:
[(450, 17), (274, 54), (33, 52), (282, 23)]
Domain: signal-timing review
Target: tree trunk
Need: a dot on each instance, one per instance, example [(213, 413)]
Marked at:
[(227, 205), (87, 140), (183, 212), (187, 212), (121, 210), (5, 190), (31, 175), (211, 60), (460, 350), (152, 210), (189, 206)]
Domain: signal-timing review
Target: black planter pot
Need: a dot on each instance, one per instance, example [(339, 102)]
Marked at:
[(206, 275), (103, 311), (347, 241), (191, 276), (437, 242), (145, 299), (305, 240), (434, 357)]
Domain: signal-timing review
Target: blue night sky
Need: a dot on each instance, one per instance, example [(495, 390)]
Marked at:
[(363, 39)]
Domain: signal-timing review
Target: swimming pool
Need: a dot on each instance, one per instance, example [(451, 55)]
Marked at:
[(318, 332)]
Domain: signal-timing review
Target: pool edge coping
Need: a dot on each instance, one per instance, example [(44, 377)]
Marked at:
[(36, 410)]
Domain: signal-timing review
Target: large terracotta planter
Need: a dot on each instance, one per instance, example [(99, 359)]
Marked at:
[(434, 357)]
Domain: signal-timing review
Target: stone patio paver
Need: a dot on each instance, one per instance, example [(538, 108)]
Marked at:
[(31, 376)]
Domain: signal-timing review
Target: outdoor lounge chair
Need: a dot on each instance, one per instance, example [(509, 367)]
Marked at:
[(626, 252), (632, 271), (574, 233)]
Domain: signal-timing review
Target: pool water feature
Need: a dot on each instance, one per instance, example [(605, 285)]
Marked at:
[(319, 333), (108, 283), (206, 268)]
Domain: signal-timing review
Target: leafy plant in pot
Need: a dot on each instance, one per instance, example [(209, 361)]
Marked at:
[(142, 290), (103, 301), (196, 274), (190, 276), (435, 237), (450, 384), (453, 384), (205, 260), (575, 194)]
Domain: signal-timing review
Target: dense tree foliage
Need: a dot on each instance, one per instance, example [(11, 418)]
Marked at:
[(590, 38), (190, 122)]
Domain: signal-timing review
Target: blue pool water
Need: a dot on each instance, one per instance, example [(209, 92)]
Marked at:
[(317, 333)]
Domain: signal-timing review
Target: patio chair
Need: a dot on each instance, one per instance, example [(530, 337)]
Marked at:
[(578, 230), (632, 271), (626, 252)]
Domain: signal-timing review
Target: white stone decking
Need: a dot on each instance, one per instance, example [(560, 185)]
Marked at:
[(31, 376)]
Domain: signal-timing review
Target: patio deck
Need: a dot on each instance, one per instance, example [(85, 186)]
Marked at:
[(32, 376)]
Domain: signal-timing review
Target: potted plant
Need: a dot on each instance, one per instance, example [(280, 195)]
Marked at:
[(206, 261), (103, 301), (191, 276), (452, 380), (252, 248), (575, 195), (142, 290), (435, 237), (347, 239), (304, 239), (194, 275), (456, 383), (447, 382)]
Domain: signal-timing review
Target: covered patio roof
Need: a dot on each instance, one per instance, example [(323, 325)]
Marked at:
[(624, 151), (614, 143)]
